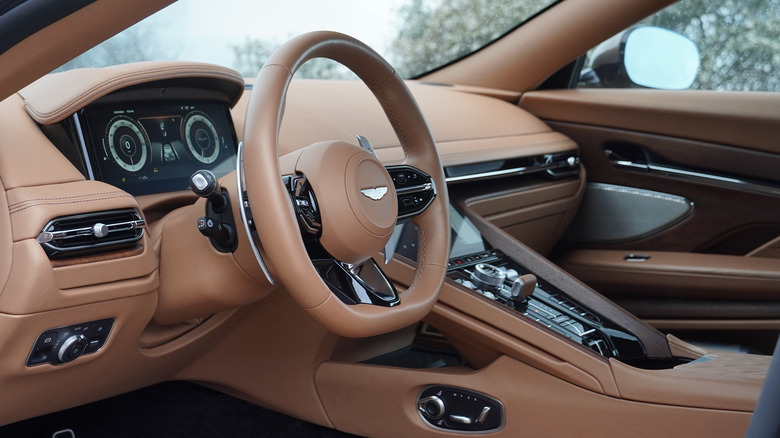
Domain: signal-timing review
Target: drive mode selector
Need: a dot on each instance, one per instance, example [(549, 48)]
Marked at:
[(72, 348), (486, 275)]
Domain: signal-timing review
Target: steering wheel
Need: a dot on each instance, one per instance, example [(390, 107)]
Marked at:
[(323, 212)]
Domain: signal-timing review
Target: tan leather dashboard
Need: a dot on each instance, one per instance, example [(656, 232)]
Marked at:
[(467, 127)]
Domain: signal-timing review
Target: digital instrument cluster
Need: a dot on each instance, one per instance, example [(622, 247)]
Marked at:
[(146, 148)]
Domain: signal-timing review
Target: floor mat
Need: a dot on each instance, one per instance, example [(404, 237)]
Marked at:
[(171, 409)]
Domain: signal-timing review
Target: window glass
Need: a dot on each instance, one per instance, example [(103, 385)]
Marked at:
[(416, 36), (737, 41)]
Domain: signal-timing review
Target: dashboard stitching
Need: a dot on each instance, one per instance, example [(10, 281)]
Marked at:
[(11, 206), (70, 202), (105, 87)]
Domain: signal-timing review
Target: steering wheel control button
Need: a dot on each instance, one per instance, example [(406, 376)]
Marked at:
[(414, 188), (305, 205), (462, 410), (66, 344)]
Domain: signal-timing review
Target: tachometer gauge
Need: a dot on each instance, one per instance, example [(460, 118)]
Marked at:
[(127, 143), (201, 137)]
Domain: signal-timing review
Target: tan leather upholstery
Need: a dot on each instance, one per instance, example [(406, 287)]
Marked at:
[(54, 97), (679, 274), (38, 154)]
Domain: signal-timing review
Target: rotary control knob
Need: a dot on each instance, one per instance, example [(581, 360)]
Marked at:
[(486, 275), (431, 407), (72, 348)]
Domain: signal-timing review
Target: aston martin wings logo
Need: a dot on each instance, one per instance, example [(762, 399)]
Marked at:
[(375, 193)]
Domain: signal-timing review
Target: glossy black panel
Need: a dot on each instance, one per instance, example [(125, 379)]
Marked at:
[(359, 284), (414, 188)]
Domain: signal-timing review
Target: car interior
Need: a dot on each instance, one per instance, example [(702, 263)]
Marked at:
[(485, 249)]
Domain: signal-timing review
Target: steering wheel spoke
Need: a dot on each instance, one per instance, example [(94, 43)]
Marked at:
[(414, 188), (364, 283), (357, 284)]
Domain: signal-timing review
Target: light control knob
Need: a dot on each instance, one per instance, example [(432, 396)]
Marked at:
[(72, 348), (431, 407)]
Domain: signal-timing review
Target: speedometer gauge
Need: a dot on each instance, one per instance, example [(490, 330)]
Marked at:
[(201, 137), (128, 143)]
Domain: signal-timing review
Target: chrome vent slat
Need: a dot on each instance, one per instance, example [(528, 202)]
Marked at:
[(91, 232), (557, 165)]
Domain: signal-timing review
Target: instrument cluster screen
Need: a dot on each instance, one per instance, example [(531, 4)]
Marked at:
[(154, 148)]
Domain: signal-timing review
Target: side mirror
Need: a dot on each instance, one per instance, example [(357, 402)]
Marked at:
[(645, 56)]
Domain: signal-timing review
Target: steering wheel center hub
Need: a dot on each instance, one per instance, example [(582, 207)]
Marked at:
[(356, 196)]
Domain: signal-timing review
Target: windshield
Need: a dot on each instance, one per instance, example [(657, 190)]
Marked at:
[(416, 36)]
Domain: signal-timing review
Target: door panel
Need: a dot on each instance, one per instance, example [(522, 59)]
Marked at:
[(722, 218), (713, 275)]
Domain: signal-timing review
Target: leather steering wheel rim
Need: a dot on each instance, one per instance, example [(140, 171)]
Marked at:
[(276, 223)]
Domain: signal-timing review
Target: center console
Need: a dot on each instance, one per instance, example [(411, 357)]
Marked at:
[(495, 276), (475, 265)]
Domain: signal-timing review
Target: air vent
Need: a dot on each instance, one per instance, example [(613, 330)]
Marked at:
[(554, 166), (91, 232)]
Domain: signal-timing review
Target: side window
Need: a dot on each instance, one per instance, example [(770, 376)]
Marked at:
[(737, 44)]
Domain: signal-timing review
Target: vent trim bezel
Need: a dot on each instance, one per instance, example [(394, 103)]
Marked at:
[(100, 231)]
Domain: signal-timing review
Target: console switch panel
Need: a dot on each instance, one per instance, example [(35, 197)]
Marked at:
[(462, 410)]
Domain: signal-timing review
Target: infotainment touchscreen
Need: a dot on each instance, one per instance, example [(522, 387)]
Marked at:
[(146, 148), (465, 238)]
